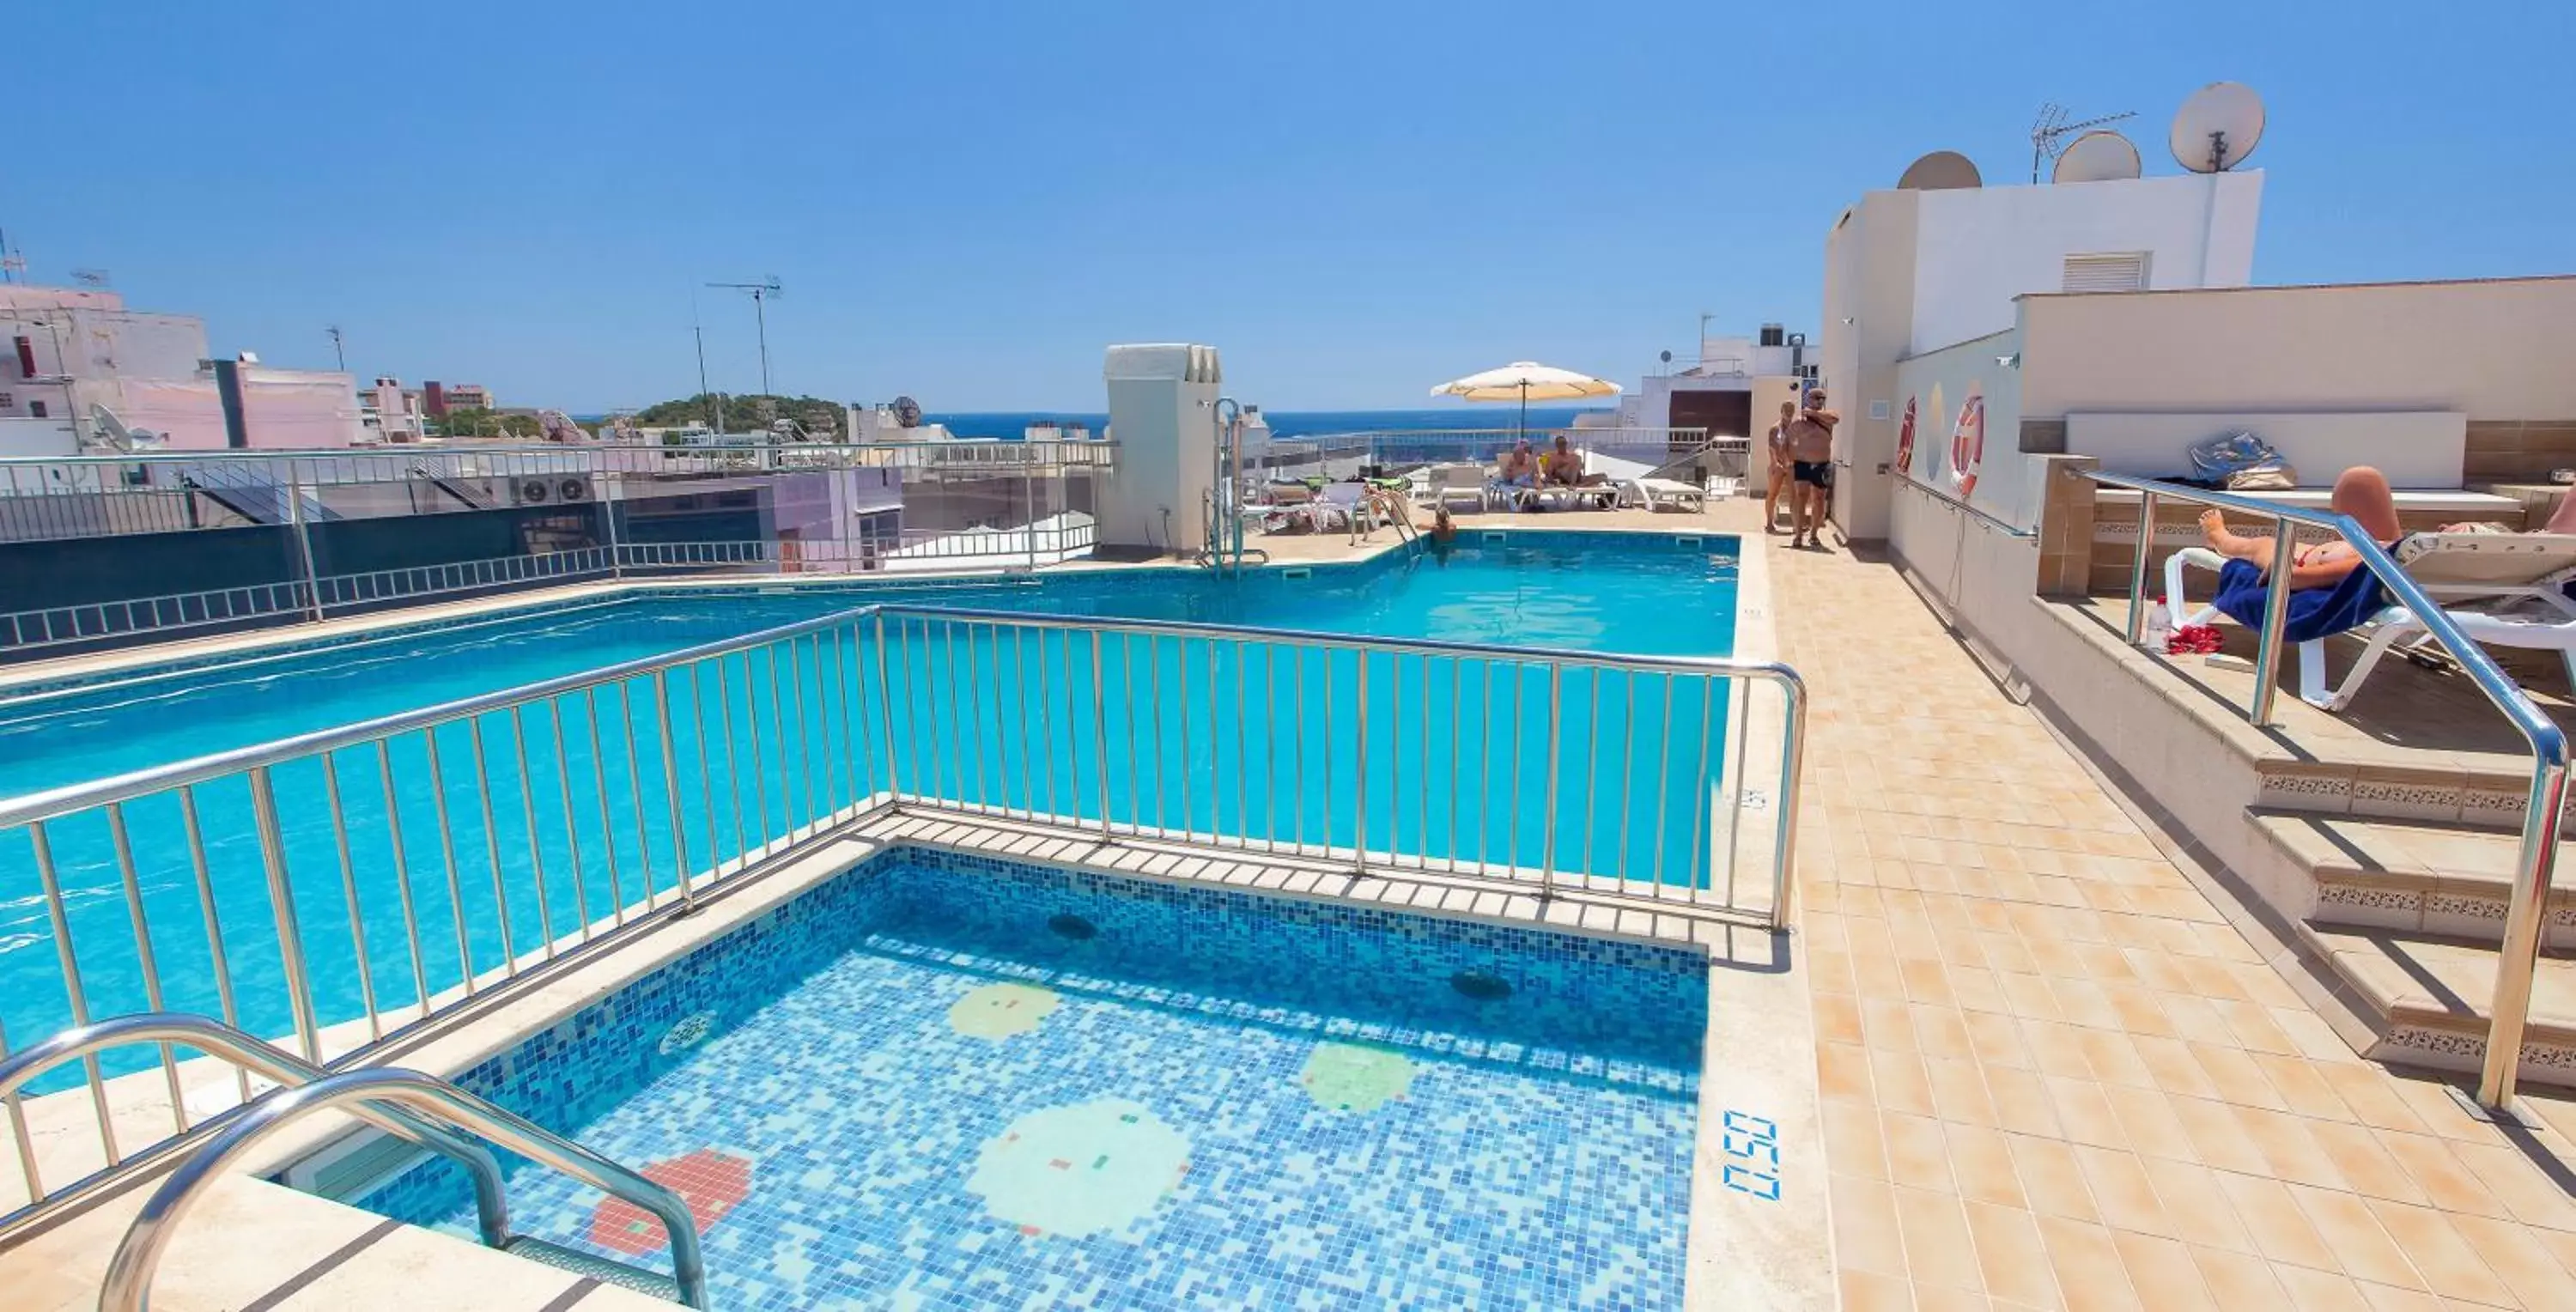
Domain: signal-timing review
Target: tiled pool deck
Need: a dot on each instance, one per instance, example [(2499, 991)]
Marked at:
[(2055, 1074)]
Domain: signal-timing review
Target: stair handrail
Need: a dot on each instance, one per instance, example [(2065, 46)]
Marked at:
[(2545, 805), (128, 1285), (221, 1041)]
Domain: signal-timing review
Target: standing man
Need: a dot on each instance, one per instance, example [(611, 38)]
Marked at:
[(1811, 467), (1779, 472)]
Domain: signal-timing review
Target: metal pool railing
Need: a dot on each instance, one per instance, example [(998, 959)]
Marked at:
[(342, 886), (2546, 801)]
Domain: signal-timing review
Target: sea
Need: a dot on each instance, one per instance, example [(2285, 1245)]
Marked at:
[(1012, 424)]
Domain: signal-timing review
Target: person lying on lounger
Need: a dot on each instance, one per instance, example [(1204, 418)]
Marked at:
[(2330, 591)]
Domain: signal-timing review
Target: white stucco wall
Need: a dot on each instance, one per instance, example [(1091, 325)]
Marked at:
[(2004, 488), (2496, 349), (1978, 248)]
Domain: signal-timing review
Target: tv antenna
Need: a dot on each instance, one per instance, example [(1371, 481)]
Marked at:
[(760, 291), (2051, 127), (337, 350), (2218, 127)]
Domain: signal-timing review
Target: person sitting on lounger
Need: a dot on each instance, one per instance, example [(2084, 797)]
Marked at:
[(2330, 591), (1519, 466), (1564, 466)]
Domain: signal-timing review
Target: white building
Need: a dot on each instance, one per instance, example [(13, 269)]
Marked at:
[(1914, 274), (1732, 390), (80, 368)]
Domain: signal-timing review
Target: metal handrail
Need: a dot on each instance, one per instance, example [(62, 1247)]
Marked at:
[(1962, 504), (216, 1039), (1793, 688), (571, 451), (27, 808), (128, 1286), (2535, 866)]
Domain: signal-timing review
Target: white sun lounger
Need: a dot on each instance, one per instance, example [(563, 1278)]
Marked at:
[(1453, 483), (1662, 494), (2508, 584)]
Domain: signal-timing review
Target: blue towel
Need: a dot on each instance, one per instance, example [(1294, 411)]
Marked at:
[(2314, 612)]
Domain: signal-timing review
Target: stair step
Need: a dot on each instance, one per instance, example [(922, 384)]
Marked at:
[(2429, 995), (607, 1271), (2411, 875)]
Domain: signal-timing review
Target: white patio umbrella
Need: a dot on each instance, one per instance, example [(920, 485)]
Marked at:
[(1522, 380)]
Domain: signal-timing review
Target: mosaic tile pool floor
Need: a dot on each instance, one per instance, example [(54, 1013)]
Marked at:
[(963, 1109)]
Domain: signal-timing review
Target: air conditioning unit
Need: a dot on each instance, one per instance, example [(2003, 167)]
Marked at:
[(532, 490), (570, 488)]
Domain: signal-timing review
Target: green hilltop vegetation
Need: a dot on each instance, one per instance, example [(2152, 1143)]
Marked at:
[(744, 414)]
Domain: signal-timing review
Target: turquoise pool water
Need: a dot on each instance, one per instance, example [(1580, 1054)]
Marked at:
[(950, 1082), (1249, 739)]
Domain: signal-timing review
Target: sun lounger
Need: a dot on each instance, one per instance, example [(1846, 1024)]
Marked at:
[(2501, 589), (1458, 483), (1662, 494)]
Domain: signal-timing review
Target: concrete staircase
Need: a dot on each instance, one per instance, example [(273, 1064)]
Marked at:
[(2408, 911), (2377, 845)]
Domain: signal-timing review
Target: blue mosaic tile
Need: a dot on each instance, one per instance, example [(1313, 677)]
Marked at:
[(942, 1080)]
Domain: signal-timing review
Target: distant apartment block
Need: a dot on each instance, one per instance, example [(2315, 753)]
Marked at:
[(438, 398), (80, 370)]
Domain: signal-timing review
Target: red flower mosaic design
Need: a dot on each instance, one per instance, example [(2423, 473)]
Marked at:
[(710, 1183)]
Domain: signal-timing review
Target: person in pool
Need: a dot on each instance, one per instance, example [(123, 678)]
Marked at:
[(1443, 530)]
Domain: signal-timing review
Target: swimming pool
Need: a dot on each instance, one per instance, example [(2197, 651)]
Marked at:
[(466, 847), (947, 1081)]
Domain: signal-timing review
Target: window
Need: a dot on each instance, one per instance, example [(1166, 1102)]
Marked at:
[(36, 409), (2106, 273)]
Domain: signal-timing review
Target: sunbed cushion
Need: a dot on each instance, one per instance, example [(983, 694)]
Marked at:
[(2493, 559)]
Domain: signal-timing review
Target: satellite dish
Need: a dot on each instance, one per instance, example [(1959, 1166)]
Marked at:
[(907, 412), (2097, 157), (2218, 127), (1942, 170)]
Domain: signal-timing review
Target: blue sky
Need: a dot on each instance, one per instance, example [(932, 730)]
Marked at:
[(966, 201)]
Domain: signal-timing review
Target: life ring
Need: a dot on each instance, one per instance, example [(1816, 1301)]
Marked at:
[(1905, 441), (1968, 441)]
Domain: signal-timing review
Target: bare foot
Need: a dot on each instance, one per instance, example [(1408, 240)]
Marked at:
[(2213, 528)]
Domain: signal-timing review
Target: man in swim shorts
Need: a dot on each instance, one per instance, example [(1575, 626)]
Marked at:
[(1810, 439)]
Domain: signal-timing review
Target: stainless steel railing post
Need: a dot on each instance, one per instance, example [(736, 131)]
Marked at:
[(671, 787), (1547, 829), (1100, 727), (2276, 615), (1793, 750), (281, 898), (2138, 567), (1359, 770)]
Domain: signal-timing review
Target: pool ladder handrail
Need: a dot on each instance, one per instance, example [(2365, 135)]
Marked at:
[(362, 1093)]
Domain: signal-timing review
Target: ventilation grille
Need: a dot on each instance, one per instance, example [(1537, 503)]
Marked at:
[(2106, 273)]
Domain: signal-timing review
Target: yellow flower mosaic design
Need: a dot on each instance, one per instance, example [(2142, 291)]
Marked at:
[(998, 1011), (1355, 1079)]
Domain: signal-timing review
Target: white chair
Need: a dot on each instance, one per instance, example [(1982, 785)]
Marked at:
[(1347, 502), (2513, 579), (1452, 483)]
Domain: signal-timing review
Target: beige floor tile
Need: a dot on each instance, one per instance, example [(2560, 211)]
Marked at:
[(2152, 1128), (2526, 1267), (1853, 1145), (1918, 1157), (2450, 1185), (2361, 1246), (2195, 1204), (1866, 1236), (2121, 1191), (1981, 1161), (2162, 1272), (2449, 1265), (2051, 1178), (1864, 1291), (2280, 1231), (2238, 1280), (2086, 1263), (1937, 1250), (2312, 1290), (2365, 1164), (1959, 1091)]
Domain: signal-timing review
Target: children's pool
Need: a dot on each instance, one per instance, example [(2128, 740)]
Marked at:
[(940, 1081)]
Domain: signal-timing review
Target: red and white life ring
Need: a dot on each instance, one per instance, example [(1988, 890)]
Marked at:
[(1968, 441), (1905, 441)]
